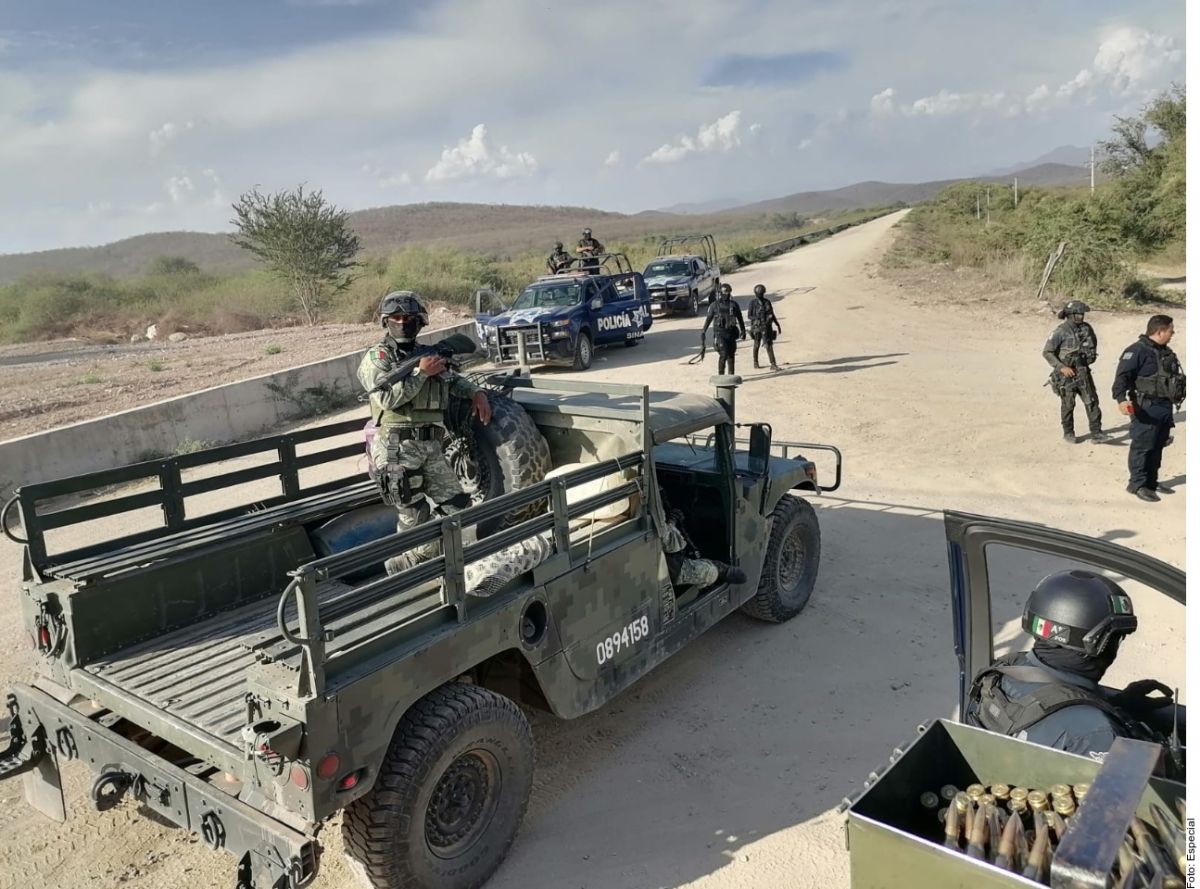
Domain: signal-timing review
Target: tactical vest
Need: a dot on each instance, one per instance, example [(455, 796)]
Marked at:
[(760, 315), (989, 707), (1079, 344), (429, 405), (1167, 381), (725, 317)]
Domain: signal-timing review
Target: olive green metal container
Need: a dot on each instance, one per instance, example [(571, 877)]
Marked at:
[(895, 842)]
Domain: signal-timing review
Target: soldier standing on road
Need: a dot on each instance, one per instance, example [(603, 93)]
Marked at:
[(589, 248), (1149, 385), (763, 325), (1051, 695), (725, 316), (1071, 350), (558, 260), (411, 468)]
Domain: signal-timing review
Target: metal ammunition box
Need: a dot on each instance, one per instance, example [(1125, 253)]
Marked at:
[(896, 843)]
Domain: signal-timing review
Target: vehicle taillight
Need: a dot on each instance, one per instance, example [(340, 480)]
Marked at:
[(328, 767), (300, 777)]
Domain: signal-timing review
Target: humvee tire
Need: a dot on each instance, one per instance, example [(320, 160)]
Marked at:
[(450, 795), (506, 455), (790, 563)]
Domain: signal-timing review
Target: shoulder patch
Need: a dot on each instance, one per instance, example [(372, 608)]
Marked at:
[(379, 357), (1126, 356)]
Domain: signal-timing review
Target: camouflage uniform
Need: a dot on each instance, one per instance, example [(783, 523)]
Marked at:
[(684, 570), (558, 260), (407, 451), (489, 575)]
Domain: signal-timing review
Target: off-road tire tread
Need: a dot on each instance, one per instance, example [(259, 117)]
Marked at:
[(429, 724), (578, 364), (767, 604)]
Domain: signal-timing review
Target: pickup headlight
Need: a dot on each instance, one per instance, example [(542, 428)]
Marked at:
[(565, 322)]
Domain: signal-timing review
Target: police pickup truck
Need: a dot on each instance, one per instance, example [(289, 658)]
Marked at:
[(565, 317), (685, 274)]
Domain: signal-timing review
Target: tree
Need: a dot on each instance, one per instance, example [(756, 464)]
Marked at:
[(173, 265), (303, 239)]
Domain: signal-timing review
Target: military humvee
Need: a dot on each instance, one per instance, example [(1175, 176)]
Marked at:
[(250, 673)]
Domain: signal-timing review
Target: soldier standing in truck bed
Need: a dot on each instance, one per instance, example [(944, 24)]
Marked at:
[(589, 248), (558, 260), (1071, 351), (725, 317)]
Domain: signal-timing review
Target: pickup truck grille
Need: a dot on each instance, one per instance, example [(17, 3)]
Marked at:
[(508, 337)]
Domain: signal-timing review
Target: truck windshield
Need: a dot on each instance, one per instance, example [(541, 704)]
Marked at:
[(548, 296), (673, 267)]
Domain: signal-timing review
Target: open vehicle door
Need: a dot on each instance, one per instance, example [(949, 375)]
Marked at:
[(489, 302), (968, 537)]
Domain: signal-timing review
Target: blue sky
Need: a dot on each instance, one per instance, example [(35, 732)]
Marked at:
[(122, 117)]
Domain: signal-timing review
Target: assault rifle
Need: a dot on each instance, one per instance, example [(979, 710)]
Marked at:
[(447, 349)]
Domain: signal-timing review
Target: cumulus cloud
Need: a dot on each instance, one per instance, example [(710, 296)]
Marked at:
[(475, 157), (180, 188), (1129, 58), (614, 158), (170, 131), (722, 135), (755, 129), (884, 102), (385, 178)]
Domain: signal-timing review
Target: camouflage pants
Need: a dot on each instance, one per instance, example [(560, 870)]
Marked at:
[(413, 476), (700, 572), (487, 576)]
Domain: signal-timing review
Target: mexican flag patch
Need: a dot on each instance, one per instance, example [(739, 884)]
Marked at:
[(379, 357), (1121, 605), (1042, 627)]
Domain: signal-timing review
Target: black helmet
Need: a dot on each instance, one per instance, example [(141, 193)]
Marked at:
[(558, 245), (759, 290), (1074, 307), (1080, 610), (587, 232), (403, 302), (726, 290)]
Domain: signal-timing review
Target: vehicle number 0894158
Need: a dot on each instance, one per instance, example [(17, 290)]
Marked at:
[(627, 636)]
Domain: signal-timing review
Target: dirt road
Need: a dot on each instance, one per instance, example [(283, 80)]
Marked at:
[(721, 770)]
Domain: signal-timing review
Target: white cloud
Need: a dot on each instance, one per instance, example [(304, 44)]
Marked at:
[(475, 157), (180, 188), (722, 135), (166, 134), (884, 102), (614, 158), (385, 178), (755, 129), (1130, 58), (1039, 99), (804, 144)]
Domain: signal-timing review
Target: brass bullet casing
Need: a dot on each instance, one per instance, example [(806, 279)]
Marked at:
[(929, 800), (999, 791), (1064, 806), (1080, 791), (1037, 801), (1018, 795), (1018, 806), (941, 816), (975, 791), (962, 802), (1061, 791), (949, 792), (987, 800)]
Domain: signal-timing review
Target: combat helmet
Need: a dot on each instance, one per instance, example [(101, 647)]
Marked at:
[(404, 303), (1073, 308), (760, 290), (1079, 610)]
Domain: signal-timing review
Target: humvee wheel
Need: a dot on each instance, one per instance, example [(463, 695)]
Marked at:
[(790, 564), (450, 795)]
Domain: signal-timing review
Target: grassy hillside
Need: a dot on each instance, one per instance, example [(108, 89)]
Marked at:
[(1136, 215), (107, 308)]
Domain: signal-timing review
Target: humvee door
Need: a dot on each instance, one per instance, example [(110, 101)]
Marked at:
[(968, 537)]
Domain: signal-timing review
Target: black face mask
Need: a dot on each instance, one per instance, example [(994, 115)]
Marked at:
[(404, 331), (1071, 661)]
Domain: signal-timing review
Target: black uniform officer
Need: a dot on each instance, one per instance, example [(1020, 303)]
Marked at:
[(1052, 695), (763, 325), (725, 316), (1149, 385), (1071, 350)]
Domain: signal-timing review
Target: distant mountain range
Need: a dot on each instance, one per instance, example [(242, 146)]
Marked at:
[(1068, 155), (504, 228)]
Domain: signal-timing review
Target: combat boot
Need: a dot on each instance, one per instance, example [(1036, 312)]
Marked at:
[(1143, 494), (730, 574), (1069, 438), (1100, 435)]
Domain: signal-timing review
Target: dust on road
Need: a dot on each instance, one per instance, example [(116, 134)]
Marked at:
[(721, 769)]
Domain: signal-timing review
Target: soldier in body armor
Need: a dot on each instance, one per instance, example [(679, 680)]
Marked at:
[(558, 260), (1148, 387), (1051, 695), (590, 249), (725, 317), (1071, 351), (407, 452), (763, 325)]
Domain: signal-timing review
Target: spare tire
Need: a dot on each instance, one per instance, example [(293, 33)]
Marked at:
[(507, 454)]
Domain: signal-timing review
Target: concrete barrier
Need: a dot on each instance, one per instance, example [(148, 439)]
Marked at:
[(233, 412)]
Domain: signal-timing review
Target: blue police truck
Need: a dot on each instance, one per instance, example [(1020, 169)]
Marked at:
[(595, 302)]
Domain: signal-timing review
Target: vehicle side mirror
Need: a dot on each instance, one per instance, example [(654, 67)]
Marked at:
[(597, 304), (760, 448)]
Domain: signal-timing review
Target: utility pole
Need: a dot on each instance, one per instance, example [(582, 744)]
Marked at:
[(1015, 196), (989, 205), (1092, 164), (977, 213)]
